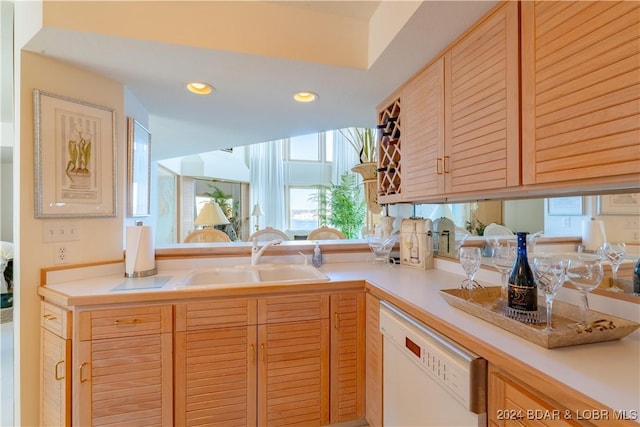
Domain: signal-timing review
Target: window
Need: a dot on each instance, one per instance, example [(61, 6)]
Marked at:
[(305, 147), (303, 208)]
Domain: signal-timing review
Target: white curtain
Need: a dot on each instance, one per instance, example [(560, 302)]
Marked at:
[(267, 183), (344, 157)]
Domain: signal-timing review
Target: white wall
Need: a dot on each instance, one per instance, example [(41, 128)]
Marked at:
[(100, 238)]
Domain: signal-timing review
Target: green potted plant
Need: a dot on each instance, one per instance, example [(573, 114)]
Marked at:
[(339, 205)]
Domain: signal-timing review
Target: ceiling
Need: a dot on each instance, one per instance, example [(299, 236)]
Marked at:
[(252, 101)]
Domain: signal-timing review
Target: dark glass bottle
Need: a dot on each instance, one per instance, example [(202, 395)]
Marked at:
[(636, 278), (523, 293)]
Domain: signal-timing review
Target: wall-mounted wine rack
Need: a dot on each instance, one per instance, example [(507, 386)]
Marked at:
[(389, 152)]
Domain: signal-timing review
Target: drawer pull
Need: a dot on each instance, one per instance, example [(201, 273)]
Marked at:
[(49, 317), (82, 378), (57, 377), (126, 322)]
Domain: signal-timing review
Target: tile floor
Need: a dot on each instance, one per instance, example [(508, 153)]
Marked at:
[(6, 374)]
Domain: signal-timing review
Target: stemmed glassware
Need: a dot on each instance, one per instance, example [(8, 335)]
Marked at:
[(503, 259), (549, 273), (470, 259), (585, 273), (615, 252)]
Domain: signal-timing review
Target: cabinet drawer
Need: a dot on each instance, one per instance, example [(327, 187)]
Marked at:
[(123, 322), (293, 308), (55, 319), (196, 316)]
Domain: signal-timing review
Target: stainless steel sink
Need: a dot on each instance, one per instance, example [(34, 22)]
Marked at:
[(288, 274)]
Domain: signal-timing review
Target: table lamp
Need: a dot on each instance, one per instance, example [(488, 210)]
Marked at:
[(257, 212), (211, 214)]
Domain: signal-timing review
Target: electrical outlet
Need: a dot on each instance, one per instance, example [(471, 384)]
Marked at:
[(60, 254)]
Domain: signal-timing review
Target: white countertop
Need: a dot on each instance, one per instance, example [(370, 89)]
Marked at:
[(607, 372)]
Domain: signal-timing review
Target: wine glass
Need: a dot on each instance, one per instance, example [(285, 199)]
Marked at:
[(585, 273), (549, 273), (470, 259), (503, 259), (615, 252)]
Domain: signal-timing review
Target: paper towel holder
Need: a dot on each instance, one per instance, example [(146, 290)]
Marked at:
[(145, 273)]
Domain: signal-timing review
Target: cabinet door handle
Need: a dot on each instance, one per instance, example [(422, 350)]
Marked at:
[(439, 166), (253, 353), (262, 352), (49, 317), (336, 324), (82, 378), (57, 377), (446, 164), (126, 322)]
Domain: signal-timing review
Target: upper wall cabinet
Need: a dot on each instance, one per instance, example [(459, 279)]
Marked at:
[(482, 115), (423, 136), (581, 92), (460, 117)]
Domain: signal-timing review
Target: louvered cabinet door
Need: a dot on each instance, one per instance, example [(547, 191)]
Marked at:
[(215, 363), (293, 373), (347, 356), (423, 134), (124, 373), (373, 362), (216, 377), (581, 92), (482, 113)]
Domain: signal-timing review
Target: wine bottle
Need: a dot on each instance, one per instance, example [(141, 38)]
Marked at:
[(414, 252), (636, 278), (523, 294)]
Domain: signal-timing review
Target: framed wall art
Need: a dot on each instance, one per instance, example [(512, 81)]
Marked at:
[(75, 158), (567, 206), (139, 168), (619, 204)]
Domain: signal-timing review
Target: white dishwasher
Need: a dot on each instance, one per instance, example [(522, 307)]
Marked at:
[(427, 379)]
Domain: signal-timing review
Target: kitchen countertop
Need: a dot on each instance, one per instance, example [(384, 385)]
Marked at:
[(607, 372)]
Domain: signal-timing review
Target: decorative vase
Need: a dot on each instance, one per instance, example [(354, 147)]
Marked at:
[(368, 172)]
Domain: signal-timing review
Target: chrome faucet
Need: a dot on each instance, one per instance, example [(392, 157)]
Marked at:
[(256, 253)]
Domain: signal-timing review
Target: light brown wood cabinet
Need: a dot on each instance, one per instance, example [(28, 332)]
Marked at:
[(512, 403), (347, 356), (215, 363), (373, 362), (123, 367), (461, 115), (55, 359), (258, 361), (423, 134), (581, 92), (482, 110)]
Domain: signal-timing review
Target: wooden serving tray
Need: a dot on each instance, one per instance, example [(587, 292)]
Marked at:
[(482, 303)]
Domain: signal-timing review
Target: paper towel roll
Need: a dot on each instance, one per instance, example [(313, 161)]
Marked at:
[(593, 236), (140, 254)]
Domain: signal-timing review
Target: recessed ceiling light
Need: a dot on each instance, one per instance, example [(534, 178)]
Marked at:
[(200, 88), (305, 96)]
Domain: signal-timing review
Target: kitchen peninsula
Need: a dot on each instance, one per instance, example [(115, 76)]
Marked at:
[(583, 381)]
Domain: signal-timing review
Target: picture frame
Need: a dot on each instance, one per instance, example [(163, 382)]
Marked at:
[(565, 206), (138, 169), (75, 154), (618, 204)]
